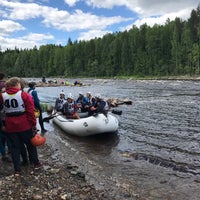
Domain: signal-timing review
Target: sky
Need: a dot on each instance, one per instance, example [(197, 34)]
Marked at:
[(25, 24)]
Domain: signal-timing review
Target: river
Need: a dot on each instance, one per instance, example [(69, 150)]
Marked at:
[(154, 155)]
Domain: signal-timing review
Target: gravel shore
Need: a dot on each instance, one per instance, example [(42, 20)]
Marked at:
[(56, 180)]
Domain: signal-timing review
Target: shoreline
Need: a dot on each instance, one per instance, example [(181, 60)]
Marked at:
[(56, 180), (60, 83)]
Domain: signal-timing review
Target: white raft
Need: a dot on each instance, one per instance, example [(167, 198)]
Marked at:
[(87, 126)]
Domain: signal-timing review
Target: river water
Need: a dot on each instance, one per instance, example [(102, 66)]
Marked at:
[(155, 154)]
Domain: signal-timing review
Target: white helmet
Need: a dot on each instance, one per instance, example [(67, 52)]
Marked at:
[(62, 92), (98, 96), (70, 96)]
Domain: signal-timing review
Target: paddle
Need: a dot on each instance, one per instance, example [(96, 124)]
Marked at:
[(46, 119)]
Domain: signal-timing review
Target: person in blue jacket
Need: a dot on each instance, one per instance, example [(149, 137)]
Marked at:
[(81, 102), (34, 94)]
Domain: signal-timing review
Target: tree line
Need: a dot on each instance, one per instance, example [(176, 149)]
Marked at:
[(162, 50)]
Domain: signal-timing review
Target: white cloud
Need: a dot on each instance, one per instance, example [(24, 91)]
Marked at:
[(10, 43), (107, 3), (26, 42), (7, 27), (17, 15), (37, 37), (92, 34), (146, 7), (146, 10), (60, 19), (159, 7), (71, 2), (79, 21), (162, 19), (20, 11)]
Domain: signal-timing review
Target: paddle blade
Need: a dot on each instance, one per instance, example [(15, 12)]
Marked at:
[(46, 119)]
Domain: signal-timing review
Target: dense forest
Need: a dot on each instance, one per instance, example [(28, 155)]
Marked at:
[(172, 49)]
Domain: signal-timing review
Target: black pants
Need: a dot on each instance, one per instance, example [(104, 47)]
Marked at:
[(41, 120), (17, 148)]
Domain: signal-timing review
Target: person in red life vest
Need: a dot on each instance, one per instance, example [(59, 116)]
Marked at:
[(70, 108), (20, 122)]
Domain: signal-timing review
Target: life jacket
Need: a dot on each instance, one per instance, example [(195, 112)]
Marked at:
[(13, 104), (30, 90), (68, 108), (91, 101), (60, 103), (106, 107), (71, 107)]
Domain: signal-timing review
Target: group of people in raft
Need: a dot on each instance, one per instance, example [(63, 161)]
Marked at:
[(18, 121), (70, 106)]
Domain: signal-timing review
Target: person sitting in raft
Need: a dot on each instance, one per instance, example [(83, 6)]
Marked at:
[(100, 106), (60, 102), (81, 102), (90, 101), (70, 108)]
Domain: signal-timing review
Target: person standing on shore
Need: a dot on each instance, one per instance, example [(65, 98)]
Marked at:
[(3, 138), (2, 81), (34, 94), (20, 122)]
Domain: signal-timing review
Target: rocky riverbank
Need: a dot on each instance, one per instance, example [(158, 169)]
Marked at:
[(56, 180)]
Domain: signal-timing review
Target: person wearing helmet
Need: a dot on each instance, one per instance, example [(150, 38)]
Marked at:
[(100, 106), (70, 108), (60, 102), (81, 102), (90, 101), (33, 92)]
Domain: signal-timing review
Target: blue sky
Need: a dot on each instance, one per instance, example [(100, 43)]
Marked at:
[(29, 23)]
